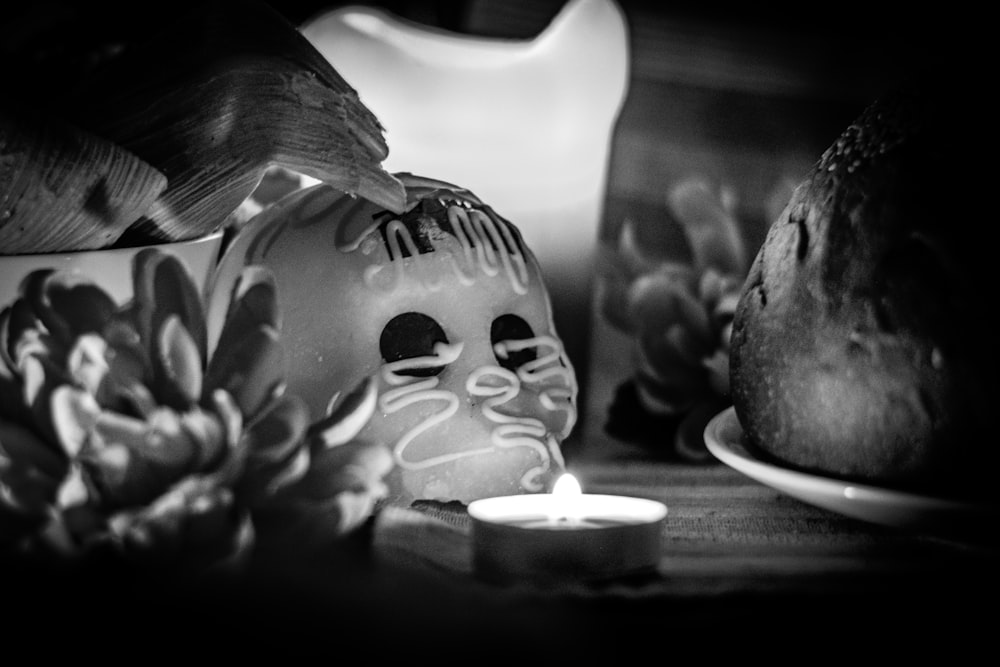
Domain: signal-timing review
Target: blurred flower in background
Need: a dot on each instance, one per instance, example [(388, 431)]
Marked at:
[(122, 438), (678, 316)]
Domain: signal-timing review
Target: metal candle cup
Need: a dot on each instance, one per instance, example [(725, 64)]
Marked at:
[(546, 538)]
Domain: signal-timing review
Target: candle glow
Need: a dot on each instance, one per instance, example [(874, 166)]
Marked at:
[(565, 535)]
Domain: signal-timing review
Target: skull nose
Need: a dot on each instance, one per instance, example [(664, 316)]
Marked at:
[(491, 381)]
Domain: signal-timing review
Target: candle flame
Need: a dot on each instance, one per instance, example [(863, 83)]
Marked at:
[(567, 485), (564, 493)]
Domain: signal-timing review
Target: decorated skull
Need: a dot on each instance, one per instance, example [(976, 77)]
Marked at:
[(446, 306)]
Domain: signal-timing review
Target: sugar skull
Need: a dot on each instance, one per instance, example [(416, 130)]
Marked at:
[(446, 306)]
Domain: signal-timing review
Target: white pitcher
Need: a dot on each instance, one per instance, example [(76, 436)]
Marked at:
[(524, 124)]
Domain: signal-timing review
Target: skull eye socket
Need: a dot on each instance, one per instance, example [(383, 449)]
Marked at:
[(511, 327), (411, 336)]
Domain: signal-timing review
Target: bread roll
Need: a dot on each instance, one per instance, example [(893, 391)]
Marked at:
[(863, 344)]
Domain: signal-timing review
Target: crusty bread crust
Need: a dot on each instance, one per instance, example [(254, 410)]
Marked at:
[(863, 344)]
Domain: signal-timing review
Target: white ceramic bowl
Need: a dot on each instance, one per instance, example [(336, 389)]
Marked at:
[(111, 269)]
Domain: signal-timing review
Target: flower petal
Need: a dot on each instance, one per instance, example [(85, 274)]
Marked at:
[(229, 413), (355, 466), (725, 308), (612, 291), (18, 519), (164, 287), (195, 525), (208, 433), (74, 413), (124, 387), (74, 305), (666, 399), (12, 323), (252, 370), (134, 461), (177, 366), (276, 433), (632, 260), (275, 449), (12, 405), (231, 419), (346, 418), (712, 231), (347, 511), (23, 446), (33, 301), (337, 495), (663, 299), (30, 473), (73, 491), (40, 377), (87, 363), (668, 379), (253, 303)]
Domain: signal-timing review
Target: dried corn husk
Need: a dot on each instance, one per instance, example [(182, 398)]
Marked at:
[(62, 188), (216, 98)]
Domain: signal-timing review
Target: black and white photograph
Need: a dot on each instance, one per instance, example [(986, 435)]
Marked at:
[(483, 331)]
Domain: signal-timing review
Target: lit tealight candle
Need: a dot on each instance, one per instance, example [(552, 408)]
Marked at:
[(565, 535)]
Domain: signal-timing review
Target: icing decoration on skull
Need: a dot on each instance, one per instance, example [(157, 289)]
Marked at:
[(446, 306)]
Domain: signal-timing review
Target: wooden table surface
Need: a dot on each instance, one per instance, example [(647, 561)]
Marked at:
[(745, 570), (740, 559)]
